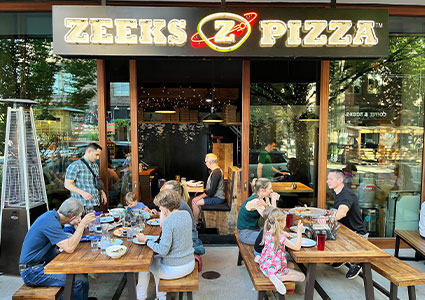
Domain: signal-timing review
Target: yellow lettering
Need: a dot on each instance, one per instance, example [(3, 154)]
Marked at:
[(123, 31), (224, 27), (76, 33), (270, 30), (145, 32), (99, 34), (294, 33), (314, 36), (158, 37), (365, 34), (340, 36), (177, 30)]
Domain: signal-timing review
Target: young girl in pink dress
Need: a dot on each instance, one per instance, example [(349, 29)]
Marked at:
[(273, 257)]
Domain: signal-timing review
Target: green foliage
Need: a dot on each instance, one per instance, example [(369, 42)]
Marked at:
[(82, 81), (121, 123)]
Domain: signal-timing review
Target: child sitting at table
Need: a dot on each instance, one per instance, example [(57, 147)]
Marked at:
[(273, 261), (131, 200)]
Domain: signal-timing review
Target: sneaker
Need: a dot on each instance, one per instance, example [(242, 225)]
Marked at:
[(337, 265), (354, 271), (278, 284)]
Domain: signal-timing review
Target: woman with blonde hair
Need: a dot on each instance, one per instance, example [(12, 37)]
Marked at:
[(252, 209)]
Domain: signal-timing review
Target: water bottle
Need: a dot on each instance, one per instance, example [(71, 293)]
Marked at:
[(105, 240)]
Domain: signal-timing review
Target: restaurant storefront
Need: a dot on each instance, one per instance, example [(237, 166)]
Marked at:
[(334, 88)]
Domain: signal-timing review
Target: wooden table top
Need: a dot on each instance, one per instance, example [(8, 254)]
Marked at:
[(83, 260), (195, 189), (348, 247), (286, 187)]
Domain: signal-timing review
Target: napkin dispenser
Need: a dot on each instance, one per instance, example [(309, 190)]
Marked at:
[(321, 228)]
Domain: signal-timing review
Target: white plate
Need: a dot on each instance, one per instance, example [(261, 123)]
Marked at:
[(153, 222), (305, 242), (114, 242), (106, 219), (294, 228), (308, 211), (149, 237)]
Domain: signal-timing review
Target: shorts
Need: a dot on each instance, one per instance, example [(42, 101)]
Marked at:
[(213, 201)]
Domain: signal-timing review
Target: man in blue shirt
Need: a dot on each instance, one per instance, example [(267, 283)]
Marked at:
[(41, 242)]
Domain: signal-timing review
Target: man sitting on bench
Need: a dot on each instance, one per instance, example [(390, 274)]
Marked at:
[(214, 190), (41, 242), (348, 213)]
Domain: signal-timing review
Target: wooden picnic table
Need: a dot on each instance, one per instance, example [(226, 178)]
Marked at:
[(348, 247), (286, 187), (137, 259)]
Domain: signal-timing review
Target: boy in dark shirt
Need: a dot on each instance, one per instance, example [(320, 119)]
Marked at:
[(348, 212)]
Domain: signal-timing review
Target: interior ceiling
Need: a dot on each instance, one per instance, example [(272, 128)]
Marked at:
[(186, 97)]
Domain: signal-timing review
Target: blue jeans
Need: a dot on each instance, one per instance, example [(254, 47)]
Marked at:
[(34, 276), (248, 236)]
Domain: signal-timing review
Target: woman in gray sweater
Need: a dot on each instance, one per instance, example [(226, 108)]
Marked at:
[(175, 251)]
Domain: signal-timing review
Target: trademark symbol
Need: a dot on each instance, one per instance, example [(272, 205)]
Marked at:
[(379, 25)]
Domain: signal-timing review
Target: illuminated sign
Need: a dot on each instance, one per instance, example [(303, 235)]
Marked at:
[(192, 31)]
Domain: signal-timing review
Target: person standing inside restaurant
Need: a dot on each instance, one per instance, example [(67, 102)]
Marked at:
[(265, 168), (348, 212), (175, 257), (252, 209), (214, 190), (43, 239), (83, 181)]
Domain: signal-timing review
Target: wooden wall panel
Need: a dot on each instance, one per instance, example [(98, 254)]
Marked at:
[(323, 134), (246, 85), (134, 136), (101, 117)]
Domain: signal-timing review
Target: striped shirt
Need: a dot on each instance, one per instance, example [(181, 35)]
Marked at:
[(83, 179)]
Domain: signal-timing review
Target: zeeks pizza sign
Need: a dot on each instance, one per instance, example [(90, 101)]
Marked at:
[(192, 31)]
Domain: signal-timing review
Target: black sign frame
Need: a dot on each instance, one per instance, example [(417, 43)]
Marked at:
[(193, 15)]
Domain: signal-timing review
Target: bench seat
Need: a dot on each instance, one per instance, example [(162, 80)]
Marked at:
[(410, 237), (38, 292), (261, 283), (186, 284), (399, 273)]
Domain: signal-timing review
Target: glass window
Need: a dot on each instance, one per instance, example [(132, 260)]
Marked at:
[(66, 117), (284, 129), (376, 135)]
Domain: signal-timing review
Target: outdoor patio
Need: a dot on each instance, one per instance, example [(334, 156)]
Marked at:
[(235, 283)]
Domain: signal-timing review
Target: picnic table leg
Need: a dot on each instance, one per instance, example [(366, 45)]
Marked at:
[(397, 245), (261, 295), (239, 258), (368, 283), (69, 286), (412, 292), (310, 281), (393, 291), (131, 281)]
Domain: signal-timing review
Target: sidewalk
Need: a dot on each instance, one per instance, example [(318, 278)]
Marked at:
[(235, 283)]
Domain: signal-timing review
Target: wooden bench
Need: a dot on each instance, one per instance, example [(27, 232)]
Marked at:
[(38, 292), (261, 283), (174, 287), (400, 274), (412, 238)]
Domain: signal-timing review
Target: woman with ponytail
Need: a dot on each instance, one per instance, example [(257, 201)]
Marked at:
[(252, 209)]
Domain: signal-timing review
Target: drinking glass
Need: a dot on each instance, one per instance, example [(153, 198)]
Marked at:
[(130, 233), (94, 245), (321, 238), (289, 219)]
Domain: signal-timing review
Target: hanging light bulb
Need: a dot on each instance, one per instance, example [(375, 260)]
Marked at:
[(212, 117)]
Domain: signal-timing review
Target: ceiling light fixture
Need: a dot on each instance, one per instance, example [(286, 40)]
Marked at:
[(212, 117)]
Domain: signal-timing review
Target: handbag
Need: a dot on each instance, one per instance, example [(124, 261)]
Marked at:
[(98, 183)]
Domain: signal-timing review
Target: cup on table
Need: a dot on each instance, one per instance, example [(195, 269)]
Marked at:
[(183, 179), (94, 245), (289, 220), (321, 238), (130, 233)]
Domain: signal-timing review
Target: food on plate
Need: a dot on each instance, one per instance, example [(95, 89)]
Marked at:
[(121, 232)]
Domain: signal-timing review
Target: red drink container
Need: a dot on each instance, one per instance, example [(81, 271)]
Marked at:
[(321, 238), (289, 219)]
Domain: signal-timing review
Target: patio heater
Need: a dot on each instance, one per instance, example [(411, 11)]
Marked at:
[(23, 194)]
